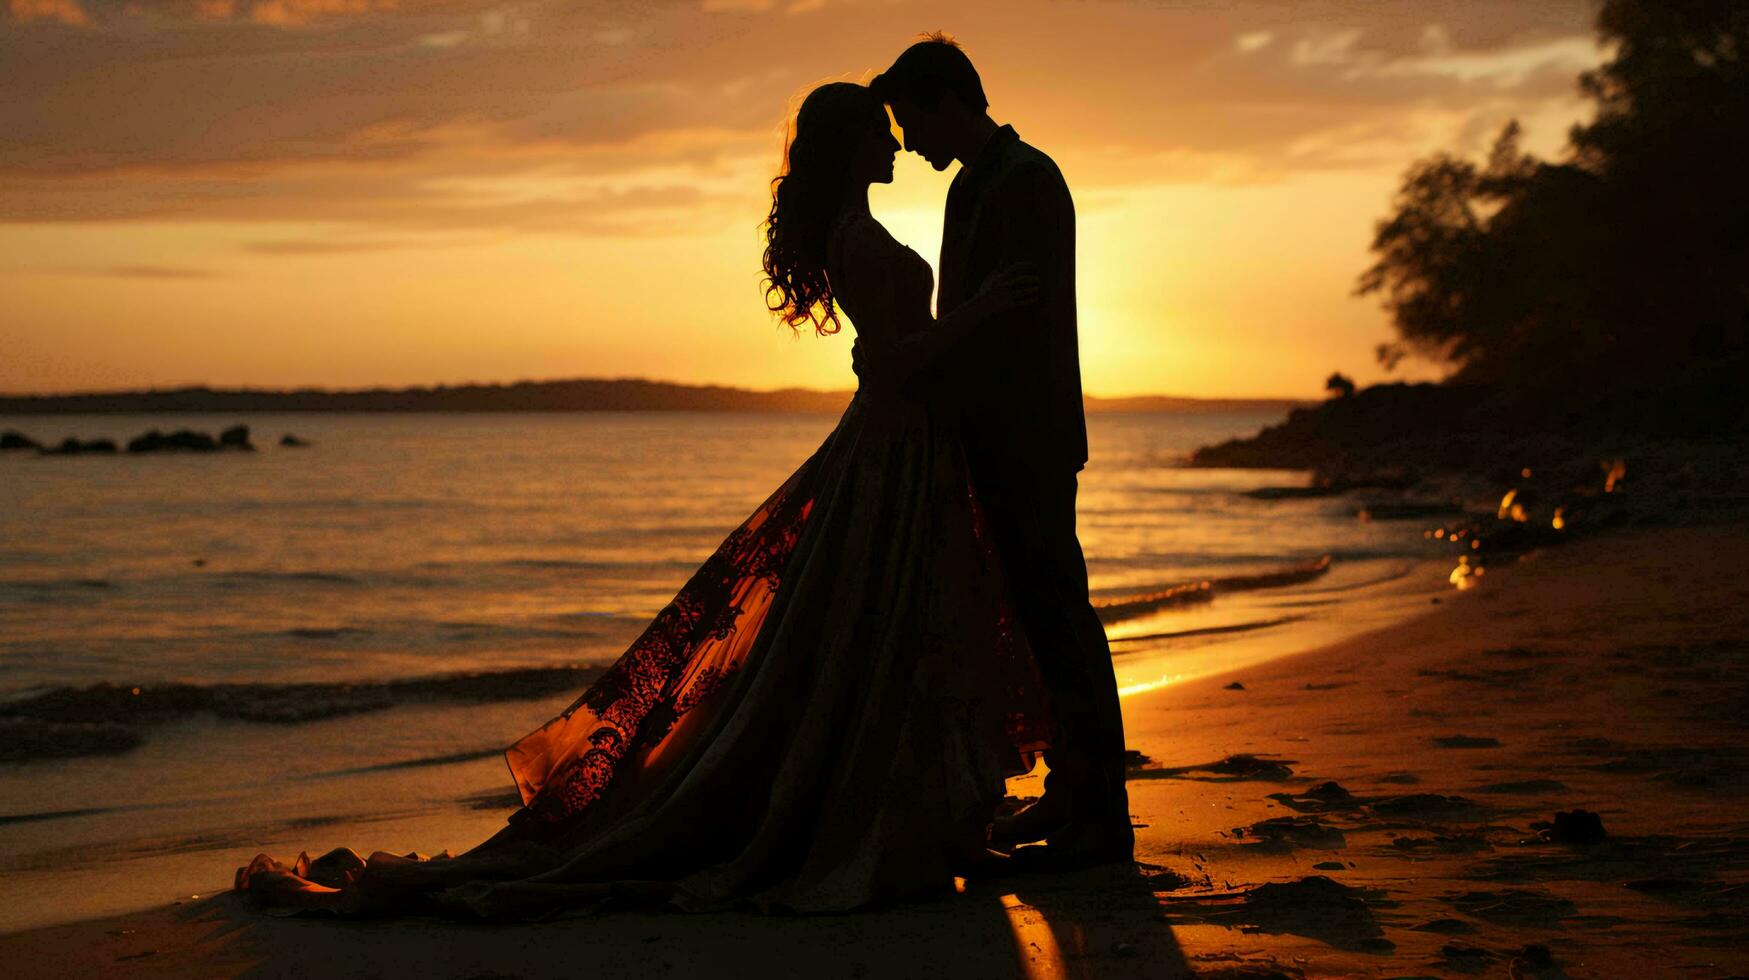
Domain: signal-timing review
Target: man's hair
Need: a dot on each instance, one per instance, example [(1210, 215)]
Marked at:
[(927, 70)]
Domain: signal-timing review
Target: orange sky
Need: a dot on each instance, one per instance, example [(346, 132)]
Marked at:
[(360, 192)]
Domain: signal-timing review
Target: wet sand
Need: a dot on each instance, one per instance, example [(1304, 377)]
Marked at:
[(1369, 808)]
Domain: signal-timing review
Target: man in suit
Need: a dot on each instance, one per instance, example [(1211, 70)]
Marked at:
[(1017, 390)]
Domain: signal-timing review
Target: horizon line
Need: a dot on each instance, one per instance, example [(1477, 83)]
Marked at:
[(620, 379)]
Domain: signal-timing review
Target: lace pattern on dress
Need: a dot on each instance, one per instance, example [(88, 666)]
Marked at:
[(693, 646)]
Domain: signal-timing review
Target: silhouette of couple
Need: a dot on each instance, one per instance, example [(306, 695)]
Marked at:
[(824, 716)]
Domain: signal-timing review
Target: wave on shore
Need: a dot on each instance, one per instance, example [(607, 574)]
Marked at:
[(422, 575), (1188, 593), (109, 718)]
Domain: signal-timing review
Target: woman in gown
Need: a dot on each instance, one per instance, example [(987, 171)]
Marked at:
[(824, 715)]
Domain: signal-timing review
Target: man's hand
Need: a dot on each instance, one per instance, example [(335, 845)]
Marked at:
[(856, 358), (1016, 287)]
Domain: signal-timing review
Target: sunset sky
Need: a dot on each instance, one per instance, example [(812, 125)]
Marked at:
[(359, 192)]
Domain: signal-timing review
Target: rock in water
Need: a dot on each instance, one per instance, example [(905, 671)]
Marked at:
[(70, 446), (290, 440), (155, 441), (11, 439), (1573, 827), (146, 442), (236, 437)]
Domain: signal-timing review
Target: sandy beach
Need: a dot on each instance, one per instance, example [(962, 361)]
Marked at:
[(1368, 808)]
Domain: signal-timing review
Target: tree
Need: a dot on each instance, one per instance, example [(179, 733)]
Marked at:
[(1624, 266)]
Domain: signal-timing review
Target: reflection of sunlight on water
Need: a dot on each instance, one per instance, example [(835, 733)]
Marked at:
[(1465, 575), (1034, 943), (1179, 645), (1613, 472), (1511, 508)]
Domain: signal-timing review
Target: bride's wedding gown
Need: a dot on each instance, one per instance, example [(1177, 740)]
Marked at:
[(821, 719)]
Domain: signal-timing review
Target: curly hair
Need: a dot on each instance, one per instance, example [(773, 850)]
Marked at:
[(805, 198)]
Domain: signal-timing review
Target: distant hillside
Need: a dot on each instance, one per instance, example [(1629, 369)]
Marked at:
[(1165, 403), (579, 395), (576, 395)]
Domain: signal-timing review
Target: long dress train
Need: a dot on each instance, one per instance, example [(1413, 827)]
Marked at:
[(821, 719)]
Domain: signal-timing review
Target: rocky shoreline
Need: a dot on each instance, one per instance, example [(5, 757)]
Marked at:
[(235, 438), (1491, 475)]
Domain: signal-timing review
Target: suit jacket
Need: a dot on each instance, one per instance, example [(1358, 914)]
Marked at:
[(1015, 384)]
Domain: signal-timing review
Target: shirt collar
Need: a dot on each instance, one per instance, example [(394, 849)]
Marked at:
[(1002, 136)]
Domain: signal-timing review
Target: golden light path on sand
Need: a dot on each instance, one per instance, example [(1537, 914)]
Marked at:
[(1035, 944), (1039, 948)]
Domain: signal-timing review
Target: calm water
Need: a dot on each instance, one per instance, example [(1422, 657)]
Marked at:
[(402, 546), (415, 544)]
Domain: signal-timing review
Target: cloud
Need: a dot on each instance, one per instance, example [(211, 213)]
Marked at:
[(1253, 41), (602, 117), (370, 201), (147, 272), (1505, 67), (288, 12), (57, 11), (1508, 68), (281, 13), (1325, 47), (1342, 87), (325, 246)]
